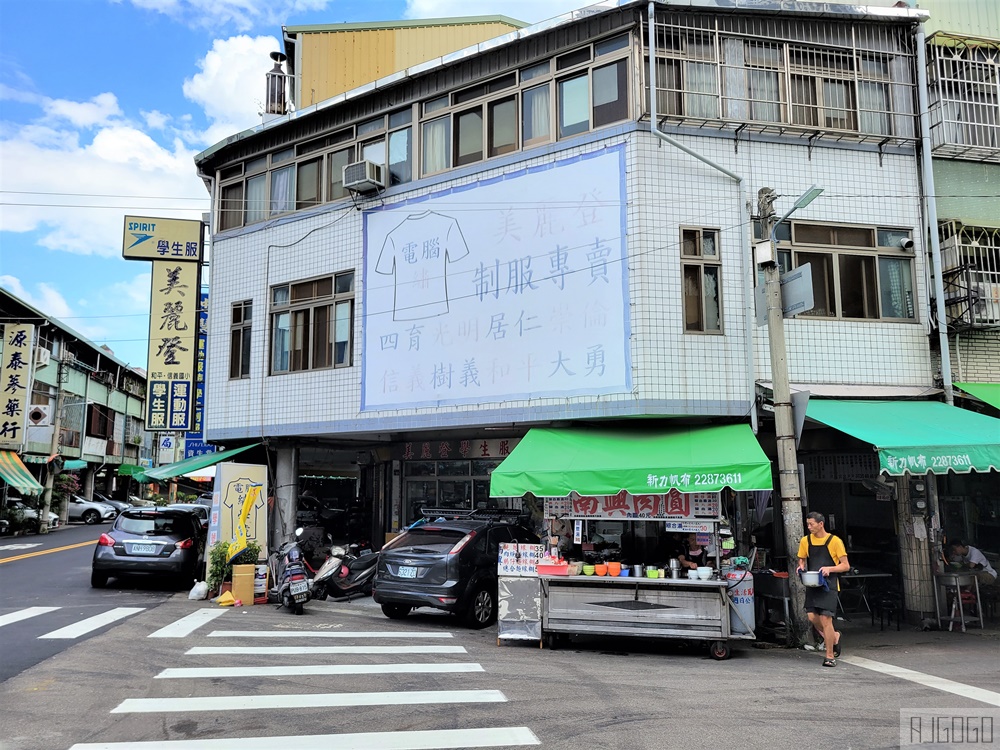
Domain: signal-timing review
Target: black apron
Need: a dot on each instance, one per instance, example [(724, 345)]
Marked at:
[(819, 557)]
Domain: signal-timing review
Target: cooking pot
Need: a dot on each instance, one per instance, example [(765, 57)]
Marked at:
[(811, 578)]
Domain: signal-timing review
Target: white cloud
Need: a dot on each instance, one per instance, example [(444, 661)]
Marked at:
[(44, 298), (155, 120), (241, 14), (529, 11), (230, 86), (98, 110)]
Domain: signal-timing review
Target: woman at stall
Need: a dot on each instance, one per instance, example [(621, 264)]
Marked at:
[(693, 555)]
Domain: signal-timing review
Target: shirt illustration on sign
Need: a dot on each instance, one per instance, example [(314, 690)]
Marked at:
[(418, 252), (233, 496)]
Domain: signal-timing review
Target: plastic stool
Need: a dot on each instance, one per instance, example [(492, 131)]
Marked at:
[(887, 608)]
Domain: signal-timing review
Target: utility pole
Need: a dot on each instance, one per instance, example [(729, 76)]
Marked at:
[(50, 473), (784, 424)]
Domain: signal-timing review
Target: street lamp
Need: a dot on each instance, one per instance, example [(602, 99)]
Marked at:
[(784, 427)]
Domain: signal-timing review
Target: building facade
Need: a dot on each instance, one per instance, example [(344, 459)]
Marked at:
[(524, 249)]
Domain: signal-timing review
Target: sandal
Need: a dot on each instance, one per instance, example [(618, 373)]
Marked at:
[(836, 648), (829, 662)]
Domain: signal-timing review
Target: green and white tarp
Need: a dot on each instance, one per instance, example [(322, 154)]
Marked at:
[(916, 437), (551, 462), (16, 474)]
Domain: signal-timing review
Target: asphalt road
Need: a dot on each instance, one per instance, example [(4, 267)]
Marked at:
[(113, 690), (53, 570)]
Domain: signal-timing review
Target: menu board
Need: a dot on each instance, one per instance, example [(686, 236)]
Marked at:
[(519, 559), (672, 505)]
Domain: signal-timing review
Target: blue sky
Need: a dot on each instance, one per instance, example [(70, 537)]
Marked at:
[(103, 105)]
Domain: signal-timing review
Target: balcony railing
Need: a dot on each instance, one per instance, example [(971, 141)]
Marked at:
[(971, 260)]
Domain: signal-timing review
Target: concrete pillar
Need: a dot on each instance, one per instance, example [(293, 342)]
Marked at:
[(914, 554), (286, 493), (88, 483)]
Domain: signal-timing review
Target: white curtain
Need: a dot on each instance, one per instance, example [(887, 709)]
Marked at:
[(281, 191), (435, 145), (700, 90), (874, 107), (734, 80), (257, 198), (536, 112)]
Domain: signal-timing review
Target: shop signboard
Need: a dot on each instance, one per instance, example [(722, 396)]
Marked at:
[(443, 450), (672, 505), (234, 483), (689, 527), (194, 441), (18, 339), (150, 238), (489, 291), (519, 559)]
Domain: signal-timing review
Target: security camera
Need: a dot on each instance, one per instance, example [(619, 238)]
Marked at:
[(906, 243)]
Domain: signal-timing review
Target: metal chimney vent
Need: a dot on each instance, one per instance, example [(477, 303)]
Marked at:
[(277, 101)]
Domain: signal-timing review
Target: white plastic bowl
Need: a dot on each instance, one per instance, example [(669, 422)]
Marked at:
[(692, 573), (704, 573)]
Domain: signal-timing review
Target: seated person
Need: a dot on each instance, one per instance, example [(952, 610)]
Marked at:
[(693, 555), (973, 559)]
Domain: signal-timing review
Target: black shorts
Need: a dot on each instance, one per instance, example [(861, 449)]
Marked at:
[(821, 611)]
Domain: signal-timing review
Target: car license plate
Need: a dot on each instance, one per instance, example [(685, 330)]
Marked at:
[(143, 549), (298, 587), (405, 571)]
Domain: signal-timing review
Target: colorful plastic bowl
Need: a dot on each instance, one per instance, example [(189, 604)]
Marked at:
[(601, 570), (624, 572), (614, 568)]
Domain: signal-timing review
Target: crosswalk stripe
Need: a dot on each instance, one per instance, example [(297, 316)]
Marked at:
[(424, 739), (264, 650), (187, 625), (324, 634), (317, 669), (24, 614), (93, 623), (305, 700)]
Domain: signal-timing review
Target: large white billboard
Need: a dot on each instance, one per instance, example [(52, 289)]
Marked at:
[(509, 288)]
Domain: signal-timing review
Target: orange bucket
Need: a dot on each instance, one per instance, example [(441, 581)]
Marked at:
[(601, 570), (614, 568)]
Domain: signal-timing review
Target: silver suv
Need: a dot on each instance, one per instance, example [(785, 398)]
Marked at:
[(89, 511)]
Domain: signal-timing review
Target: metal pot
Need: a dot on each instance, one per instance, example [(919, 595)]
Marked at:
[(638, 570), (811, 578)]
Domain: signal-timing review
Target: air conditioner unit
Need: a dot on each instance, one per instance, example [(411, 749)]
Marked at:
[(364, 176), (40, 415), (42, 356)]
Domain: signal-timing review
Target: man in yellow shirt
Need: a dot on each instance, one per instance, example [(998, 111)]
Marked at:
[(825, 553)]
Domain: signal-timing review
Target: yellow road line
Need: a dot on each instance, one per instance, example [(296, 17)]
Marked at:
[(46, 551)]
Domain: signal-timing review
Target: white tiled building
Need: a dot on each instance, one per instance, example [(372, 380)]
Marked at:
[(537, 255)]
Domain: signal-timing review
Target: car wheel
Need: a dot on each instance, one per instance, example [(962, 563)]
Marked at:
[(482, 608), (396, 611), (98, 580), (90, 517)]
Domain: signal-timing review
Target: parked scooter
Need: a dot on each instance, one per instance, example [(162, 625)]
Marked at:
[(291, 583), (347, 573)]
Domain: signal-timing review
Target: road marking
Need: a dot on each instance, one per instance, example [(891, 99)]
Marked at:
[(324, 634), (93, 623), (928, 680), (187, 625), (262, 650), (317, 669), (426, 739), (46, 551), (305, 700), (29, 545), (24, 614)]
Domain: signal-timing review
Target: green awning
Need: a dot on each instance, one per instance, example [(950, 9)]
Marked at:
[(916, 436), (194, 463), (988, 392), (72, 464), (14, 473), (130, 470), (554, 462)]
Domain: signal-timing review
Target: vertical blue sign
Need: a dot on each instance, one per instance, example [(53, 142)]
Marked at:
[(194, 442)]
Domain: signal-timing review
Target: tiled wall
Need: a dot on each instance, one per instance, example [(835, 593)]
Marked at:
[(975, 357), (672, 372)]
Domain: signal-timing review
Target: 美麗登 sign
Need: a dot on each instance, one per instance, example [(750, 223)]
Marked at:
[(148, 238), (511, 287)]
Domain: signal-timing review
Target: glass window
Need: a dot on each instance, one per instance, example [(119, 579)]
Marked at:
[(536, 123), (896, 287), (610, 45), (343, 283), (418, 469), (284, 155), (535, 71), (256, 199), (435, 104), (342, 333), (701, 274), (280, 333), (503, 126), (453, 468), (610, 93), (282, 190), (309, 184), (371, 126), (436, 146), (824, 300), (574, 106), (239, 339), (374, 152), (571, 59), (403, 117), (858, 286), (231, 206), (317, 331), (337, 161), (322, 342), (400, 157), (469, 136)]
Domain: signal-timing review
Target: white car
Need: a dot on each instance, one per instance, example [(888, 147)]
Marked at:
[(30, 515), (138, 502), (90, 511)]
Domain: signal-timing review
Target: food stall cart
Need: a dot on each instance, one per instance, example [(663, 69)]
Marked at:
[(574, 471)]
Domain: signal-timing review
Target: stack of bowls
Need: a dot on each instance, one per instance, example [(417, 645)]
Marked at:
[(601, 569), (614, 568), (588, 570), (624, 572), (652, 573), (704, 573)]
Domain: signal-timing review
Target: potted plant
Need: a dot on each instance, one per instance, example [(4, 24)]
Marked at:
[(220, 568)]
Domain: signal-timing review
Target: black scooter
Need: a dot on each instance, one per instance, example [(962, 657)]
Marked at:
[(291, 586), (347, 573)]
